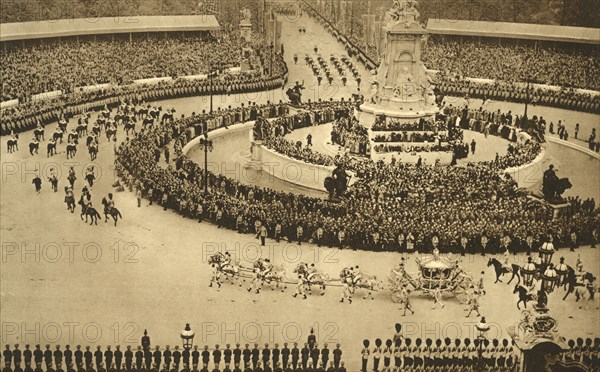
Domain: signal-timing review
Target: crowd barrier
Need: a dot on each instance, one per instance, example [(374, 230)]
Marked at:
[(155, 80), (46, 95), (89, 88), (7, 104)]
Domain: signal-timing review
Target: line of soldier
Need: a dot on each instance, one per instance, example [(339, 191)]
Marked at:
[(310, 357), (461, 355)]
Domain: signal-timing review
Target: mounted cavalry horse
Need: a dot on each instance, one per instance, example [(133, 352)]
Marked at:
[(266, 272), (13, 144), (358, 280), (312, 277), (91, 212), (70, 199), (112, 211), (524, 295), (501, 269), (223, 264)]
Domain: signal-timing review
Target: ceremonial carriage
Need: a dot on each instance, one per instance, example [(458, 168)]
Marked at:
[(435, 272)]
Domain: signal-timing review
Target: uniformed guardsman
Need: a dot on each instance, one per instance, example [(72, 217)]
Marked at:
[(68, 354), (17, 357), (38, 356), (387, 354), (305, 353), (295, 355), (255, 356), (195, 357), (7, 354), (275, 355), (167, 357), (285, 355), (266, 354), (108, 357), (128, 358), (27, 356), (205, 357), (376, 354), (139, 357), (48, 357), (365, 356), (87, 356), (148, 358)]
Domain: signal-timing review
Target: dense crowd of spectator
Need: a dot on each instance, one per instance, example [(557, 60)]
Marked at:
[(350, 134), (27, 116), (509, 63), (566, 98), (386, 124), (512, 62), (410, 137), (298, 151), (309, 356), (67, 64), (396, 207)]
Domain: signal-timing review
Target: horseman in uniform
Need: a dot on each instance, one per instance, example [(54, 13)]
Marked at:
[(110, 203)]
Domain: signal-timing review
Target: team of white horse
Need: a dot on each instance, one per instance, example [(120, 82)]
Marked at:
[(308, 278)]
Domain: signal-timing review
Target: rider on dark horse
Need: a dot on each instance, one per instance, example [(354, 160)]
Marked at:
[(110, 203), (340, 175)]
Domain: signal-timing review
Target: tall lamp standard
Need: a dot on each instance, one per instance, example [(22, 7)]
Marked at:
[(206, 145), (271, 47), (482, 329), (187, 337)]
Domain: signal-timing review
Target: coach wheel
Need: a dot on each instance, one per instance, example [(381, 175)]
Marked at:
[(396, 297)]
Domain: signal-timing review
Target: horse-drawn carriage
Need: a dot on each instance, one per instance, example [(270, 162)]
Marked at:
[(435, 272)]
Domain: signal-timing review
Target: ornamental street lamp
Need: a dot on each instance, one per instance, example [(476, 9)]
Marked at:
[(528, 272), (549, 279), (547, 251), (562, 270), (187, 337), (206, 145), (535, 270)]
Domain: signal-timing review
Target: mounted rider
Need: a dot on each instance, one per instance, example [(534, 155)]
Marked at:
[(357, 276), (267, 266), (110, 203)]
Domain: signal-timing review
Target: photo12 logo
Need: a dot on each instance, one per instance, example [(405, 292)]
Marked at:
[(70, 252), (70, 332), (271, 332)]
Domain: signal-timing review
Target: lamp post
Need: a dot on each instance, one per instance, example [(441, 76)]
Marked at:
[(546, 252), (187, 337), (549, 279), (206, 145), (531, 270), (528, 272), (271, 47), (562, 270), (482, 328)]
